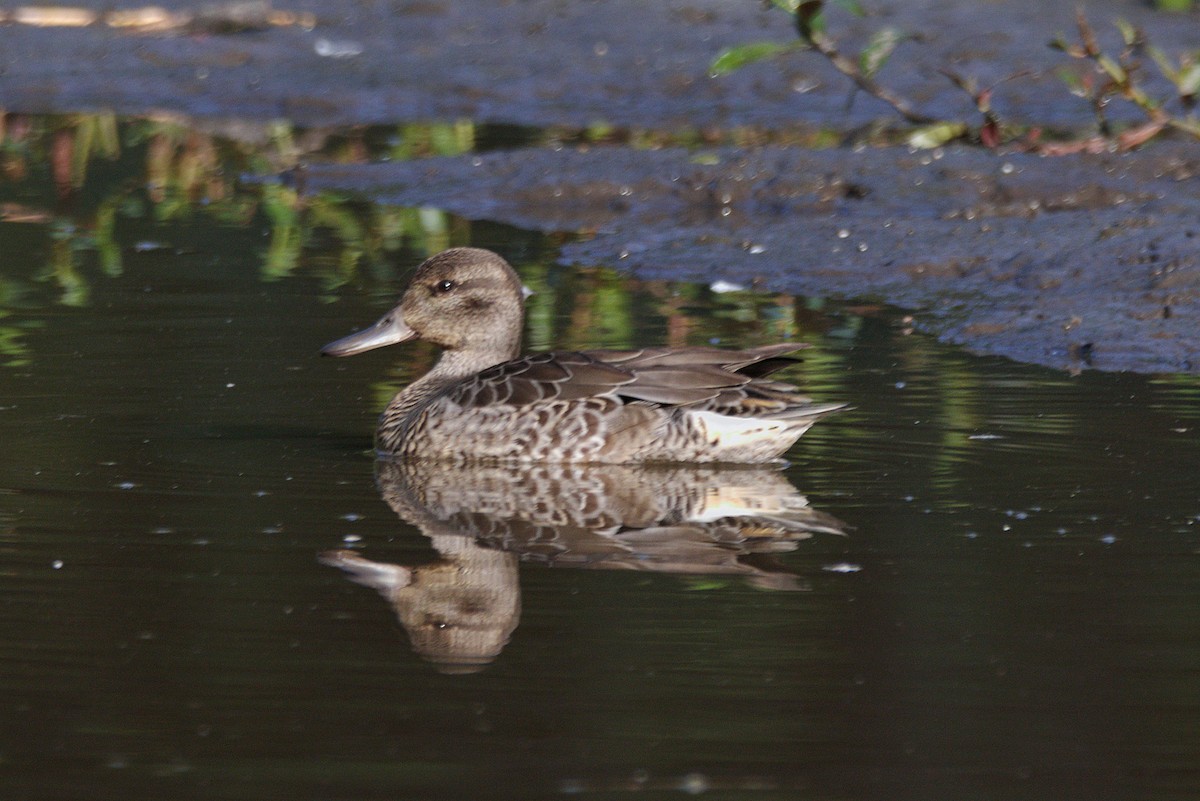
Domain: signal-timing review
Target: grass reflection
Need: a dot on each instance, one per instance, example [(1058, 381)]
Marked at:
[(85, 189), (81, 185)]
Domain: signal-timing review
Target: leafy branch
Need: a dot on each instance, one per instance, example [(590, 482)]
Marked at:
[(810, 24), (809, 17), (1114, 77), (1111, 77)]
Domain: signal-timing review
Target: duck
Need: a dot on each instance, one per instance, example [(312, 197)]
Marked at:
[(483, 401)]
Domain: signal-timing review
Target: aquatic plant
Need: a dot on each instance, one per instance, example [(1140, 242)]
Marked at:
[(1119, 78), (811, 27), (1111, 77)]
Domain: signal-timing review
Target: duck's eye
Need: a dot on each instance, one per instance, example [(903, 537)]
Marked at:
[(445, 285)]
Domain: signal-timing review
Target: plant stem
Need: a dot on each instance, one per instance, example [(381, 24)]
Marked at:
[(825, 46)]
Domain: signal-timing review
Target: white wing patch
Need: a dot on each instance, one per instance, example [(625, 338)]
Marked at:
[(734, 438)]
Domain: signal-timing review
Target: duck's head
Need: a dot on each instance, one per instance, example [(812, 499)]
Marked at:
[(462, 299)]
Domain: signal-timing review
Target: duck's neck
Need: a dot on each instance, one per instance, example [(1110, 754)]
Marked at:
[(453, 366)]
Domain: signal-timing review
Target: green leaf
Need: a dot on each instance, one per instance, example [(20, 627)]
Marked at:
[(879, 50), (1188, 81), (1165, 65), (734, 58), (1129, 34), (789, 6), (930, 136), (1059, 42), (1074, 83), (1114, 70)]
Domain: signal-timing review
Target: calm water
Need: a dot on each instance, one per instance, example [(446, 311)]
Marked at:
[(1010, 613)]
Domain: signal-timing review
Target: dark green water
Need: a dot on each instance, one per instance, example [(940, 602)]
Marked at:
[(1011, 614)]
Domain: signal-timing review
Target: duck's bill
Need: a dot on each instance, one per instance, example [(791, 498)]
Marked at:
[(388, 331)]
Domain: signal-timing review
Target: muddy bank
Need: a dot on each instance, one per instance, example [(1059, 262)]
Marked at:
[(548, 62), (1091, 261)]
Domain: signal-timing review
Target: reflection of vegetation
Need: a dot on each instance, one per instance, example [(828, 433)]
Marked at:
[(183, 169), (68, 181), (413, 141), (12, 346), (70, 176), (64, 269)]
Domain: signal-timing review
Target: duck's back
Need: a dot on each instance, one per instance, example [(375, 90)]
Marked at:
[(650, 405)]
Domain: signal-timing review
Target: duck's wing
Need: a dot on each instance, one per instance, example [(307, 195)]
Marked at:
[(539, 377), (661, 376), (733, 383)]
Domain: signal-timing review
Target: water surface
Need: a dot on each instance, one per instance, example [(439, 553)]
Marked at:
[(1009, 613)]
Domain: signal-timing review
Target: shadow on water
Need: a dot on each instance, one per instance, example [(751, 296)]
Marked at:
[(460, 611), (1012, 614)]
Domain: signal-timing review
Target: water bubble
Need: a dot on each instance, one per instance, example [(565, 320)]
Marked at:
[(331, 48)]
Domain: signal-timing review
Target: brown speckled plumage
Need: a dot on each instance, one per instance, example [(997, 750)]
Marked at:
[(483, 402)]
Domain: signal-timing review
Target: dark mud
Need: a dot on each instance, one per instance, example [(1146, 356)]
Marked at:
[(1070, 262), (561, 62)]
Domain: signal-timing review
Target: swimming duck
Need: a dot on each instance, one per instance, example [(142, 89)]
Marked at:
[(483, 401)]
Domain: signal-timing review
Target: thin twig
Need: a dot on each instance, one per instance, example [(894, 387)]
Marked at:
[(825, 46)]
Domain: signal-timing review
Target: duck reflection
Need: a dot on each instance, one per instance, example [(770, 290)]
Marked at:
[(460, 610)]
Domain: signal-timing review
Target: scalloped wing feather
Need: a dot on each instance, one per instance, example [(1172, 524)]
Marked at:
[(663, 376)]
